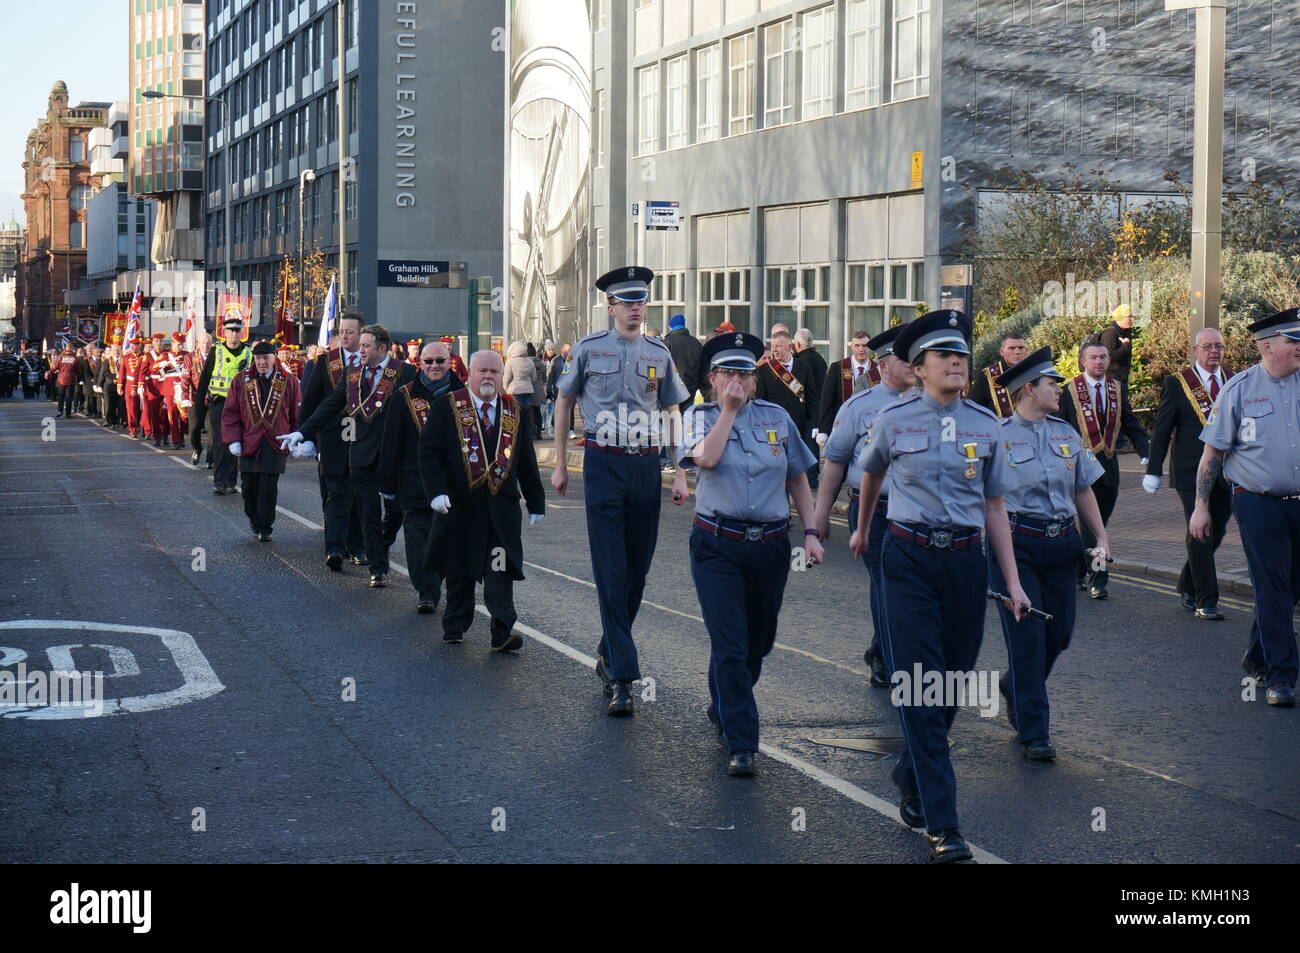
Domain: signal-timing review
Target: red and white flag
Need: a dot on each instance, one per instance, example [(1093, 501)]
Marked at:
[(133, 320)]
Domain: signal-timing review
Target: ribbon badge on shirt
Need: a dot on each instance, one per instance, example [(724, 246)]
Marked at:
[(970, 449), (652, 384), (774, 441), (1065, 452)]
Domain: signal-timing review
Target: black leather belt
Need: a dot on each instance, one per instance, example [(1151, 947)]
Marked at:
[(590, 442), (962, 537), (740, 530), (1040, 529), (1240, 490), (856, 494)]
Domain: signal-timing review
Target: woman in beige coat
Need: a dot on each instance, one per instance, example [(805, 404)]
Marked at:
[(520, 378)]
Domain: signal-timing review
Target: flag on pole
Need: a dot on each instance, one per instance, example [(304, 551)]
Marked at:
[(133, 319), (190, 329), (285, 327), (327, 316)]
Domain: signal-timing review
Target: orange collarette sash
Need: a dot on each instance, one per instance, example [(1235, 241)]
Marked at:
[(263, 415), (418, 406), (788, 379), (1096, 441), (378, 394), (472, 449), (1002, 405), (1196, 392)]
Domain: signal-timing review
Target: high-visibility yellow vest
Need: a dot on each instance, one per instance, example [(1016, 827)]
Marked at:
[(225, 366)]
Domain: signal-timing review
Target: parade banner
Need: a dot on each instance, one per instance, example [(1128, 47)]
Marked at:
[(88, 328), (114, 328)]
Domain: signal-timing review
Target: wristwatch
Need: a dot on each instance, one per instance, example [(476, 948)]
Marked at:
[(813, 532)]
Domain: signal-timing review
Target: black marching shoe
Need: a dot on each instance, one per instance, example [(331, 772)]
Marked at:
[(909, 810), (194, 458), (741, 764), (948, 847), (1040, 749), (1189, 602), (453, 638), (1209, 614), (263, 536), (1255, 671), (427, 606), (359, 559), (335, 562), (620, 705), (378, 580), (602, 673), (1281, 697), (1098, 592), (511, 642), (879, 678)]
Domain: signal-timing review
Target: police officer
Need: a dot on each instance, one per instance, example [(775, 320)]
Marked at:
[(946, 486), (749, 453), (1251, 439), (626, 386), (227, 358), (1049, 483), (847, 439)]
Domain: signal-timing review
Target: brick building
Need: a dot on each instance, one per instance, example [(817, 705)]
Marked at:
[(58, 185)]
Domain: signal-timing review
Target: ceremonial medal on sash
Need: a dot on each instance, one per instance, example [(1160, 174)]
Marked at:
[(418, 406), (1196, 392), (846, 378), (335, 365), (372, 404), (477, 470), (788, 379), (652, 384), (970, 459), (263, 415), (774, 442), (1000, 399), (1093, 437)]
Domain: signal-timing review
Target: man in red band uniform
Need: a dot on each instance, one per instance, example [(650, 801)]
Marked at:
[(457, 365), (985, 389), (842, 379), (413, 347), (1097, 406), (172, 375), (197, 413), (262, 407), (399, 467), (130, 387), (155, 418), (476, 459)]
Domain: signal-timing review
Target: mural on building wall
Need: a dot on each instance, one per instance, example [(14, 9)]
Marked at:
[(549, 192)]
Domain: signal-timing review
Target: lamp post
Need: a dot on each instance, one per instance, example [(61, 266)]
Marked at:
[(1207, 160), (225, 186), (305, 176)]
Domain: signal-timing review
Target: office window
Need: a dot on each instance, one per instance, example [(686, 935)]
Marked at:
[(819, 63), (76, 148), (799, 296), (353, 106), (676, 121), (598, 132), (74, 234), (911, 49), (779, 73), (667, 297), (350, 198), (723, 296), (331, 115), (706, 93), (862, 53), (647, 83), (80, 196), (883, 293), (740, 84)]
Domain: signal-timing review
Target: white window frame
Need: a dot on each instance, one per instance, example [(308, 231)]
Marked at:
[(708, 121), (647, 86), (740, 76), (707, 300), (779, 73), (891, 304), (797, 297), (818, 62), (911, 66), (599, 132), (677, 120), (667, 296), (862, 53)]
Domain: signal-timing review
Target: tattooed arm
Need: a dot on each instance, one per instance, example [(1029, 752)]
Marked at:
[(1207, 474)]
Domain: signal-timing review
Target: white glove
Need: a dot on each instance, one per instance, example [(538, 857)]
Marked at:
[(1143, 461), (389, 496), (821, 439), (303, 450), (290, 441), (98, 390), (441, 504), (187, 404), (1151, 483), (140, 391), (533, 518), (237, 448)]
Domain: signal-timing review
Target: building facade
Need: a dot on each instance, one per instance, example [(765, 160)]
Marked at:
[(58, 187)]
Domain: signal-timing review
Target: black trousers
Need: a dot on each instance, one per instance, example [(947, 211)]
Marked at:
[(198, 424), (225, 466), (260, 491), (1199, 578), (342, 523), (114, 409), (92, 403), (415, 522), (498, 596), (1107, 497), (365, 493), (68, 398)]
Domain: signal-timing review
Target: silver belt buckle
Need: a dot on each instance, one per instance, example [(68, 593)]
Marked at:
[(940, 539), (753, 534), (1053, 530), (632, 451)]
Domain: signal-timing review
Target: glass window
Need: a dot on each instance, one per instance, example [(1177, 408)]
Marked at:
[(675, 122), (648, 111), (740, 84), (819, 63), (706, 93), (779, 75), (726, 293), (911, 48), (869, 308), (599, 132), (74, 234), (76, 148)]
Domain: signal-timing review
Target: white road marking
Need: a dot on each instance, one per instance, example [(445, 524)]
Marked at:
[(123, 659), (834, 782), (200, 681)]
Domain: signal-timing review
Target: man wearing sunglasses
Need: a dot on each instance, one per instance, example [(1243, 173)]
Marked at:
[(406, 503)]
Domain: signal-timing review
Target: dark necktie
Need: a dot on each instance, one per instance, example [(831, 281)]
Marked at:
[(1101, 410), (1214, 387)]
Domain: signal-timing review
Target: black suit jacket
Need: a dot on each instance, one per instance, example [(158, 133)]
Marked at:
[(816, 364), (458, 542), (1128, 425), (333, 452), (363, 449), (802, 412), (1177, 423), (399, 453)]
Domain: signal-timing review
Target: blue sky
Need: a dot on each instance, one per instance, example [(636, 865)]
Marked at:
[(82, 42)]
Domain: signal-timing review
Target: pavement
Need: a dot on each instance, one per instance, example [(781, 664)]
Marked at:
[(263, 709)]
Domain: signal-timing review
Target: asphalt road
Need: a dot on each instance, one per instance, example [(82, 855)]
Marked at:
[(445, 745)]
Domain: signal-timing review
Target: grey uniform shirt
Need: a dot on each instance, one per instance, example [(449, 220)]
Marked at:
[(1048, 465), (621, 386), (763, 451), (940, 458), (1254, 423), (853, 424)]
